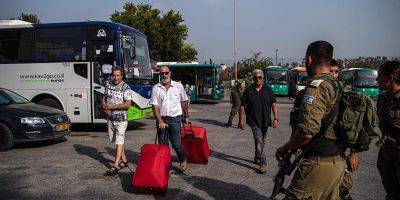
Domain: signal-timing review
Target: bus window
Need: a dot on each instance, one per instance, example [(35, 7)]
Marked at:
[(139, 65), (366, 78), (9, 45), (59, 44)]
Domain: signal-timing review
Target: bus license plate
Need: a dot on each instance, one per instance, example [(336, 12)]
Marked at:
[(62, 127)]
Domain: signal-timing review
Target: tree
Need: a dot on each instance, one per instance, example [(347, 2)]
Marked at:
[(32, 18), (256, 61), (166, 33)]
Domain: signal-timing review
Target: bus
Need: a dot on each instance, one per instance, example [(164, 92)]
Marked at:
[(65, 65), (297, 80), (361, 80), (201, 81), (275, 77)]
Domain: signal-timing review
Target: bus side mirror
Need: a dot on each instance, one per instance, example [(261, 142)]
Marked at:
[(133, 52)]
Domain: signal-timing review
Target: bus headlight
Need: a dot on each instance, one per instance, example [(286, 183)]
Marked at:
[(32, 120)]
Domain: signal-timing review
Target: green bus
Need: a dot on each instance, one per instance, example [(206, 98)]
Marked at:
[(361, 80), (202, 82), (275, 77)]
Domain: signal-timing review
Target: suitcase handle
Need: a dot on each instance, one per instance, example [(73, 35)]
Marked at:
[(191, 127)]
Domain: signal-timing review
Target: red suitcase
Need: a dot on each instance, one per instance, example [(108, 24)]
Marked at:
[(195, 144), (153, 167)]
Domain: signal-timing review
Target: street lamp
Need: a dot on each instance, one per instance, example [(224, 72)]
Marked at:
[(234, 38), (276, 56)]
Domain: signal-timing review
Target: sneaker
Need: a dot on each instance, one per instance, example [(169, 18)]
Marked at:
[(263, 168), (183, 166), (229, 124)]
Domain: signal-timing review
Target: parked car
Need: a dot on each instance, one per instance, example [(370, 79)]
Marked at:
[(23, 121)]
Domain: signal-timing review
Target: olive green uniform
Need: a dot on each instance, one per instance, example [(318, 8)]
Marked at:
[(320, 172), (389, 154), (235, 100)]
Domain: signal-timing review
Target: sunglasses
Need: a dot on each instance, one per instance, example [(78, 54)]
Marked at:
[(258, 77), (164, 73), (335, 71)]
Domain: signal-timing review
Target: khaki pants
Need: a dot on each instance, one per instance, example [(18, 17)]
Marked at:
[(317, 178)]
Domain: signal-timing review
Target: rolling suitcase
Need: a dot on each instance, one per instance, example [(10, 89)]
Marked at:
[(153, 169), (195, 144)]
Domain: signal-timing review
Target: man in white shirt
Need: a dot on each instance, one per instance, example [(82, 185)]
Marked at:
[(168, 100)]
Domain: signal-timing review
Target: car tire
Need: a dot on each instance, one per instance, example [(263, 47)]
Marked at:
[(6, 138), (50, 103)]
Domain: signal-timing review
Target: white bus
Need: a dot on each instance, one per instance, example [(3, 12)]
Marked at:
[(64, 65)]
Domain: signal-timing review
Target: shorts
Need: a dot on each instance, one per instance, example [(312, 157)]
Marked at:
[(116, 131)]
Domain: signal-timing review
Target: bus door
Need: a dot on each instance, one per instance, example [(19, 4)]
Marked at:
[(103, 52), (206, 84)]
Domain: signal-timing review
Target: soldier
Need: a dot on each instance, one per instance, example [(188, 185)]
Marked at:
[(235, 101), (324, 158), (347, 182), (389, 122)]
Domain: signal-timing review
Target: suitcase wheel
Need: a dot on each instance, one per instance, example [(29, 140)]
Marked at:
[(206, 162)]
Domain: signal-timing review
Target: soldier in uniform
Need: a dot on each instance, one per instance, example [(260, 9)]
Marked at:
[(324, 158), (235, 101), (352, 158), (389, 121)]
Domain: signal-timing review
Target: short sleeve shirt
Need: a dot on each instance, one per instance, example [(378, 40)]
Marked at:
[(319, 97), (117, 94), (169, 100), (258, 105)]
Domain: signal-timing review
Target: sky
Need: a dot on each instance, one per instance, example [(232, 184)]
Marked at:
[(354, 27)]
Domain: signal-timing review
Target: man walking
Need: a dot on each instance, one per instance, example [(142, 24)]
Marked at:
[(115, 103), (324, 158), (235, 101), (257, 101), (168, 100)]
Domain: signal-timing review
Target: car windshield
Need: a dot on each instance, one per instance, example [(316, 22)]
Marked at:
[(302, 78), (8, 97), (276, 77), (139, 66), (367, 78)]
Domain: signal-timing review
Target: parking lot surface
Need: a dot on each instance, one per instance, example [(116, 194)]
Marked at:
[(74, 168)]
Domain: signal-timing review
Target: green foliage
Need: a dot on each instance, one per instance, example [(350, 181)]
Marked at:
[(257, 61), (364, 62), (32, 18), (166, 33)]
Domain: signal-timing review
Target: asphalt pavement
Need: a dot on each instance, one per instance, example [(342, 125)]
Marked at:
[(73, 168)]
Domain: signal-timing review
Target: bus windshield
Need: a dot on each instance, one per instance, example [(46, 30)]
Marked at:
[(276, 77), (366, 78), (137, 66), (302, 78)]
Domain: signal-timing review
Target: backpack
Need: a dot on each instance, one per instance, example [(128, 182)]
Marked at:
[(356, 121)]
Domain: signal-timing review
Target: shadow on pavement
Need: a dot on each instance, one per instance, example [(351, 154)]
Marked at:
[(92, 153), (103, 127), (39, 144), (126, 182), (211, 121), (221, 190), (233, 159)]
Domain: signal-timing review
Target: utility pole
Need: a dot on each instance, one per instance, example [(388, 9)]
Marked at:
[(234, 39), (276, 56)]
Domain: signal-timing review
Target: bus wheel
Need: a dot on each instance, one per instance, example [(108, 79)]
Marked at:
[(50, 103), (6, 138)]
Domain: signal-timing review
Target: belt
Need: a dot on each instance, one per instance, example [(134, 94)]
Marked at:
[(168, 117), (325, 159)]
